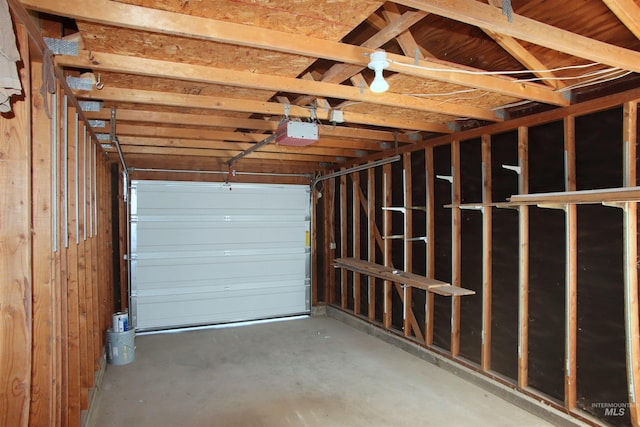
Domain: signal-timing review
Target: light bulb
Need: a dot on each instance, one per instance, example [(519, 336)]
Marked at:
[(379, 85), (378, 63)]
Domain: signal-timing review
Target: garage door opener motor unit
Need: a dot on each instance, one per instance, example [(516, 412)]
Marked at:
[(296, 133)]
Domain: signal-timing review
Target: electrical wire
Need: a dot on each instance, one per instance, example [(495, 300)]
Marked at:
[(490, 73)]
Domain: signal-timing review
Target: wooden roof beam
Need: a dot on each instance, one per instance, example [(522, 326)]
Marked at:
[(490, 18), (341, 72), (313, 149), (628, 12), (168, 133), (212, 153), (205, 120), (100, 61), (146, 97), (136, 17), (523, 56)]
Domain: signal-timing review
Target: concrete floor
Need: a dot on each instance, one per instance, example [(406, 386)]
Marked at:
[(303, 372)]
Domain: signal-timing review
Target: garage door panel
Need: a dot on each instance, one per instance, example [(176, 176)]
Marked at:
[(185, 236), (200, 308), (202, 254), (153, 274)]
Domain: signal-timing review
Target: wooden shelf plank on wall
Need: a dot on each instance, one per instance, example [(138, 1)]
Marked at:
[(393, 275)]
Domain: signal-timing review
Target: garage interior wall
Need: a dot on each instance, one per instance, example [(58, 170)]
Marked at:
[(555, 312), (56, 252)]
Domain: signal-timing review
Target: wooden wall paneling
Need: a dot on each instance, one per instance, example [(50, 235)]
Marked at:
[(571, 290), (632, 319), (431, 259), (355, 182), (15, 246), (523, 270), (74, 344), (371, 217), (408, 245), (487, 243), (455, 246), (387, 188), (43, 397), (344, 230)]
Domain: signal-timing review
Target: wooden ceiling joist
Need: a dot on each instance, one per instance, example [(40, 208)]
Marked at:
[(141, 18), (490, 18), (314, 149), (247, 106), (628, 12), (225, 154), (199, 120), (99, 61)]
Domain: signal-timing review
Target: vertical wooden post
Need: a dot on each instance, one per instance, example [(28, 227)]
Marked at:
[(355, 179), (523, 270), (86, 368), (42, 373), (329, 250), (15, 247), (387, 188), (571, 286), (631, 314), (455, 246), (63, 236), (408, 245), (431, 247), (343, 240), (487, 253), (371, 214), (314, 248), (72, 272)]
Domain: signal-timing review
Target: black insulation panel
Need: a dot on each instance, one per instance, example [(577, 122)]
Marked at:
[(442, 242), (471, 251)]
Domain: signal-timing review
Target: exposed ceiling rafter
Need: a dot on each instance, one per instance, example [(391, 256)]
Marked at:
[(141, 18)]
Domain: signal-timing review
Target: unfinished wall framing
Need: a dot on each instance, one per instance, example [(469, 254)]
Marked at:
[(555, 310), (56, 263)]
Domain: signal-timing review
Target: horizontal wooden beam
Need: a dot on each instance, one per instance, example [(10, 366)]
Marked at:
[(226, 154), (210, 120), (229, 145), (101, 61), (159, 133), (146, 97), (136, 17), (628, 12), (488, 17)]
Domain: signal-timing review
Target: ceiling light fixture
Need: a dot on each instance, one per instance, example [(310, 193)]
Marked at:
[(378, 62)]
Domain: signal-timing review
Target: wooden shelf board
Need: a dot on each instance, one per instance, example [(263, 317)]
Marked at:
[(399, 276)]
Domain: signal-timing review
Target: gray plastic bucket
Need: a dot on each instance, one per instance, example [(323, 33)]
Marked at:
[(121, 349)]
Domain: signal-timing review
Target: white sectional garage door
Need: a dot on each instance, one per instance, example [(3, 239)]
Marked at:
[(207, 253)]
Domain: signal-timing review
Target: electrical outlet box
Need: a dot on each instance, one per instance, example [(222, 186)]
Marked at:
[(336, 116)]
